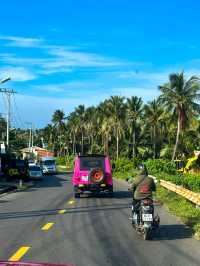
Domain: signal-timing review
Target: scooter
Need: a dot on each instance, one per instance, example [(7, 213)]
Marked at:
[(143, 219)]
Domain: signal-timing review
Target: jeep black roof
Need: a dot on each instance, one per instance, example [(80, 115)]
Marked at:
[(92, 155)]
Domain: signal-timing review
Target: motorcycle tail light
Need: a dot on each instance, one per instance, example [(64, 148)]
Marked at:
[(147, 202)]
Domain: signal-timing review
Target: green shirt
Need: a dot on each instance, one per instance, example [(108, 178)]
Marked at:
[(143, 186)]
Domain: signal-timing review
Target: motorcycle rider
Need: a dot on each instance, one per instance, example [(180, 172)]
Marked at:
[(142, 186)]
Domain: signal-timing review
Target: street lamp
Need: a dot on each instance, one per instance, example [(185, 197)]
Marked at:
[(5, 80)]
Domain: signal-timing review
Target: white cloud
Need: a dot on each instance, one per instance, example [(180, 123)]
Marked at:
[(74, 89), (55, 58), (17, 73), (75, 58), (50, 71), (22, 41), (158, 77)]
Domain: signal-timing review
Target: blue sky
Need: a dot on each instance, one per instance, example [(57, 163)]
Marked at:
[(68, 52)]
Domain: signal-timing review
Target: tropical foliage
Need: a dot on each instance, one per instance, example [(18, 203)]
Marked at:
[(165, 127)]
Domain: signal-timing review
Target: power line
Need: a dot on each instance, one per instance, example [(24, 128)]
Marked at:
[(18, 113)]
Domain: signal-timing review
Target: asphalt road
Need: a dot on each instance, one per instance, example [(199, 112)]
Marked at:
[(86, 231)]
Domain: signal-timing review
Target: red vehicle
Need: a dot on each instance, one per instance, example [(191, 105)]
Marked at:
[(92, 174)]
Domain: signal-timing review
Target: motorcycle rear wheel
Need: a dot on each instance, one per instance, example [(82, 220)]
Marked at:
[(147, 234)]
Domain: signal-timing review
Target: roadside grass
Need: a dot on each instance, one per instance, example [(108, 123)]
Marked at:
[(182, 208), (63, 168), (124, 175)]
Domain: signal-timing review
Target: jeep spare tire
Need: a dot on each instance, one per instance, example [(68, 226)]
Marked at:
[(96, 175)]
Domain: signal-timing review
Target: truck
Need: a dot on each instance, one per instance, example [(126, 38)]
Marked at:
[(48, 165), (13, 168)]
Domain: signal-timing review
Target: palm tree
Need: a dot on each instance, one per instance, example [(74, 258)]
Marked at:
[(106, 130), (181, 96), (73, 127), (80, 112), (155, 116), (104, 125), (117, 114), (90, 117), (58, 121), (134, 112)]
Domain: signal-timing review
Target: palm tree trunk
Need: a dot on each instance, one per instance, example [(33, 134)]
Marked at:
[(117, 138), (154, 142), (177, 138), (134, 143), (106, 145), (92, 143), (74, 143), (82, 142)]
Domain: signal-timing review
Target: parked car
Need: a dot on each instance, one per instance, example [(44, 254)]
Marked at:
[(35, 172), (31, 163), (92, 174)]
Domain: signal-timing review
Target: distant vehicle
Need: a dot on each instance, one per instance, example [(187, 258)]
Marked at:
[(92, 174), (31, 162), (48, 165), (35, 172)]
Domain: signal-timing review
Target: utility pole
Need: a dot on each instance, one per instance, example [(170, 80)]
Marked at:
[(42, 139), (8, 94), (30, 136), (32, 139)]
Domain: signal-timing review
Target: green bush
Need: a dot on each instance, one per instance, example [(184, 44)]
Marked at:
[(65, 161), (156, 166), (61, 160), (191, 182), (125, 175), (124, 164)]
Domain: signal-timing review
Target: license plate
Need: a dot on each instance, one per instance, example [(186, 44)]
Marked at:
[(147, 217), (84, 178)]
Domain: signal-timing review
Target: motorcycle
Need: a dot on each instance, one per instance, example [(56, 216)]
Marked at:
[(143, 219)]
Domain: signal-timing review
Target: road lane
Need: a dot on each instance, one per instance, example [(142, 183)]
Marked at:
[(19, 254), (23, 213), (47, 226), (96, 231)]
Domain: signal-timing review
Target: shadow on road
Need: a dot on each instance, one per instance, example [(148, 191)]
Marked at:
[(173, 232), (116, 195), (122, 194), (51, 181), (92, 208)]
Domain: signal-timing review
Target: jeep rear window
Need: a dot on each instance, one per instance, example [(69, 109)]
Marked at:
[(88, 163)]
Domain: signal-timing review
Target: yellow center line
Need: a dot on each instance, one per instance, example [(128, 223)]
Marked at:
[(19, 254), (47, 226), (71, 202), (62, 211)]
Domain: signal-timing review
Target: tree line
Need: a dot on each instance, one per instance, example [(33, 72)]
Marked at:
[(167, 126)]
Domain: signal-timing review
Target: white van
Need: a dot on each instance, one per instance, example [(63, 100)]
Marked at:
[(48, 165)]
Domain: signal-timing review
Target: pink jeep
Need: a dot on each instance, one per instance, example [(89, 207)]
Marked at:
[(92, 174)]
